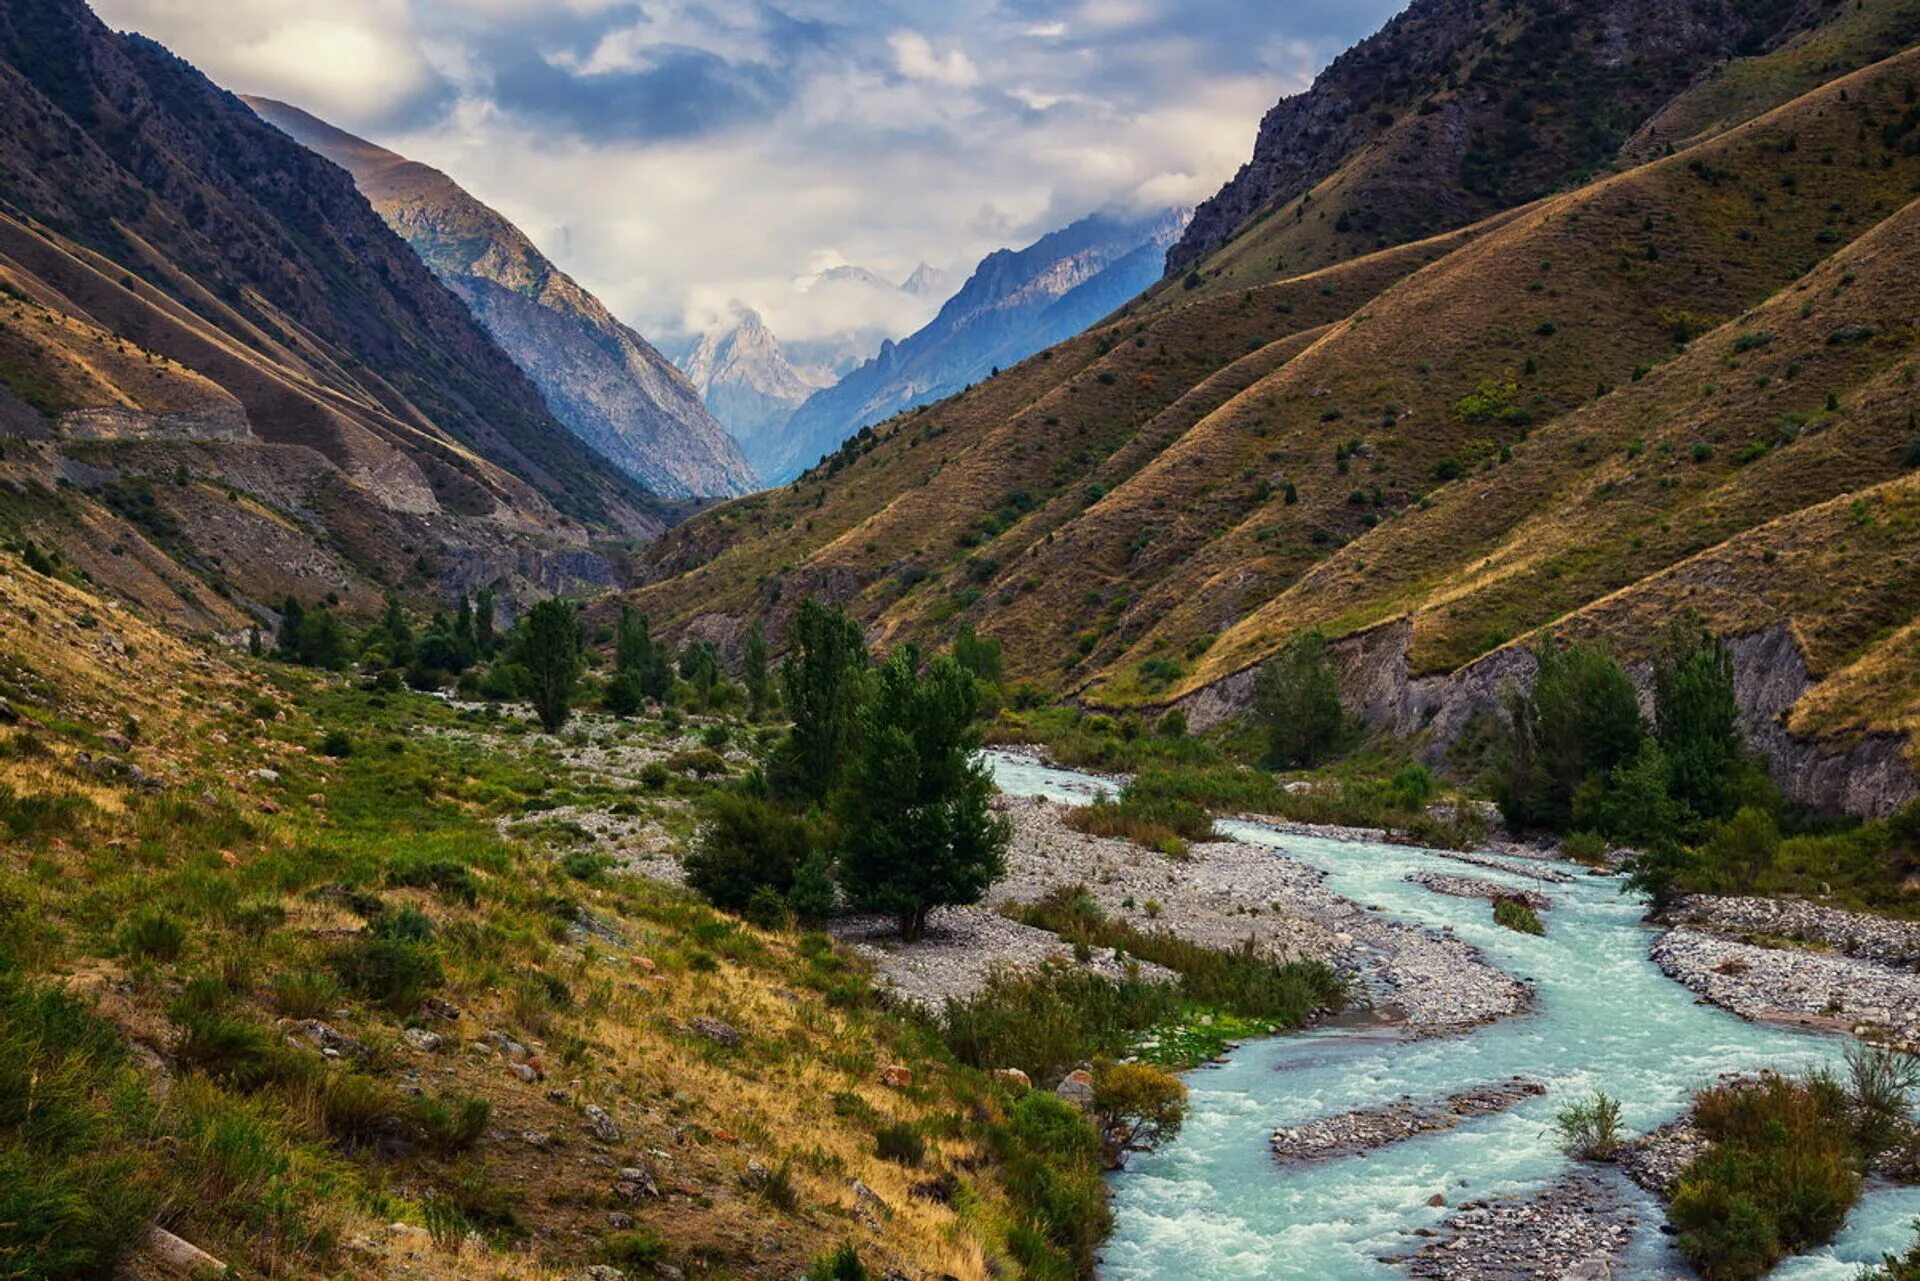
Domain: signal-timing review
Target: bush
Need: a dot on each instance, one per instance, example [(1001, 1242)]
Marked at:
[(450, 1124), (842, 1265), (1239, 981), (304, 994), (1047, 1020), (395, 973), (454, 881), (1517, 916), (746, 845), (1881, 1082), (336, 744), (1054, 1173), (1136, 1108), (1157, 822), (1590, 1131), (1296, 701), (1777, 1178), (153, 936), (900, 1143), (634, 1248), (69, 1198)]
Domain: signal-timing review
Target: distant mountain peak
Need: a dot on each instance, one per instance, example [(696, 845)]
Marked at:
[(925, 282)]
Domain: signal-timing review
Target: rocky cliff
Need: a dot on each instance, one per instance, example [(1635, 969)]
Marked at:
[(601, 379)]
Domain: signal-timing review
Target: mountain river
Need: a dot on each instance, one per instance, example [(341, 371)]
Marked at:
[(1216, 1205)]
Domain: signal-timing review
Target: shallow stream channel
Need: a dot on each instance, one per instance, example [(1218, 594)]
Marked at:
[(1217, 1204)]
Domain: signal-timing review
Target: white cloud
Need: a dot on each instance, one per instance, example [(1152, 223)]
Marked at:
[(678, 155), (916, 59)]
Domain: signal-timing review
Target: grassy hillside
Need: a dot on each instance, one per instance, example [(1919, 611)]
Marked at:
[(329, 983), (1484, 433)]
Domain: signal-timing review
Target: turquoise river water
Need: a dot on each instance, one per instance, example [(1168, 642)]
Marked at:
[(1216, 1205)]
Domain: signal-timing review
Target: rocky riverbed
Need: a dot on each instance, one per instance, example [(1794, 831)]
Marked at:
[(1225, 894), (1856, 934), (1823, 989), (1575, 1229), (1369, 1129)]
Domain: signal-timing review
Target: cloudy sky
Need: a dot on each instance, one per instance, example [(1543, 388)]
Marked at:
[(675, 155)]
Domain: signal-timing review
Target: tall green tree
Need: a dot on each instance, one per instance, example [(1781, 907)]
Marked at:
[(1581, 720), (1697, 719), (550, 653), (1296, 701), (979, 655), (292, 617), (822, 676), (638, 654), (463, 634), (700, 668), (399, 636), (483, 607), (755, 672), (917, 831)]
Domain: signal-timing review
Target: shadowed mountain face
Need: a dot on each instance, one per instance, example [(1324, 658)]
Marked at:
[(599, 377), (1016, 303), (1458, 108), (1687, 384), (250, 384)]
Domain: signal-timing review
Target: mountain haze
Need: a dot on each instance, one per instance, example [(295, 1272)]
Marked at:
[(599, 377), (745, 378), (1016, 302)]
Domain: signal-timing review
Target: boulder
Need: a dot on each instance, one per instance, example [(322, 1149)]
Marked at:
[(715, 1030), (600, 1123), (896, 1075)]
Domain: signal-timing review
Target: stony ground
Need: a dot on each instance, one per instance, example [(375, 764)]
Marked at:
[(1574, 1230), (1793, 984), (1369, 1129), (961, 949), (1224, 894), (1870, 938)]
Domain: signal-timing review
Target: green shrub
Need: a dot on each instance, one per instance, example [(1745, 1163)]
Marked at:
[(633, 1248), (336, 744), (585, 864), (1590, 1130), (393, 972), (842, 1265), (450, 1124), (1239, 981), (1045, 1021), (1517, 916), (1777, 1178), (453, 881), (153, 936), (1585, 847), (746, 845), (900, 1142), (304, 994), (1054, 1173), (70, 1201)]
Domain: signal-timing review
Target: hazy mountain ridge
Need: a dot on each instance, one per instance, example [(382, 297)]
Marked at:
[(745, 378), (1015, 303), (600, 378)]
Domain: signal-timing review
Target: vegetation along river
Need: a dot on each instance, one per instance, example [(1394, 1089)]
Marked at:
[(1216, 1203)]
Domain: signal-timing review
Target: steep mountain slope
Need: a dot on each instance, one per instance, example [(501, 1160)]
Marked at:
[(600, 378), (1461, 107), (227, 378), (1016, 303), (1670, 388), (743, 376)]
